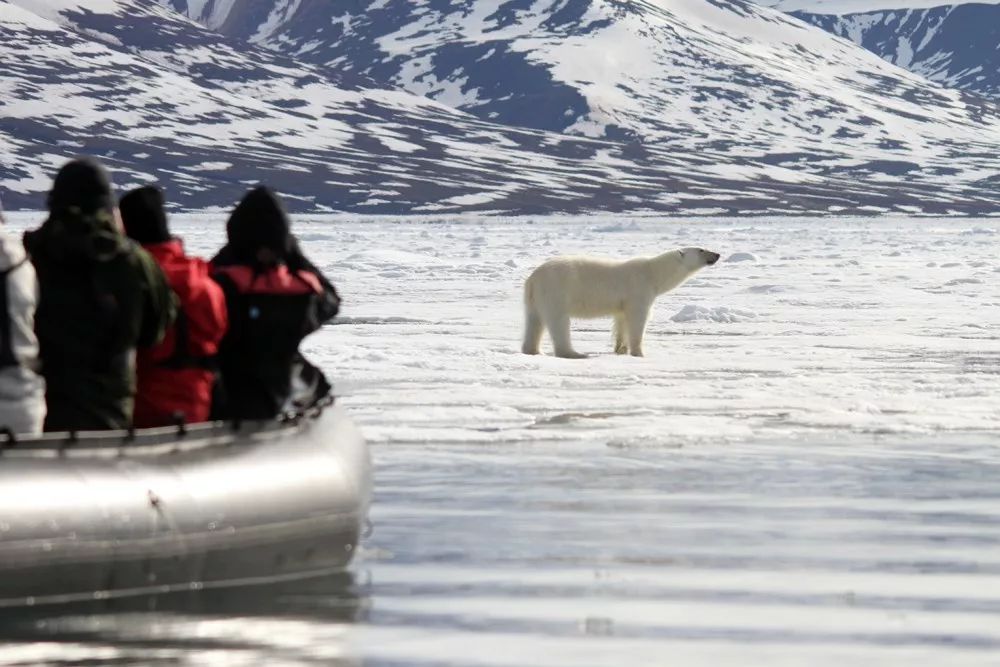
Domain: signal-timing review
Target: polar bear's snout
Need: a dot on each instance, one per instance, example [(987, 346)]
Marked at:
[(697, 258)]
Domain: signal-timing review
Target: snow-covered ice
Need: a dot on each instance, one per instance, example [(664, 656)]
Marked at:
[(833, 314), (692, 313)]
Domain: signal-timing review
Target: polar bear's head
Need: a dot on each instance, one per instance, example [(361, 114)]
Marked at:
[(697, 258), (672, 268)]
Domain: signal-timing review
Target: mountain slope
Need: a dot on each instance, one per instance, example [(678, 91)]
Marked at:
[(711, 118), (721, 78), (956, 44), (159, 98)]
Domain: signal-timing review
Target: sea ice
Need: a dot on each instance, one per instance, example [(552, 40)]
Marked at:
[(693, 313)]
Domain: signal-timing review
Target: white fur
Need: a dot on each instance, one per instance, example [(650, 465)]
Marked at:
[(589, 287)]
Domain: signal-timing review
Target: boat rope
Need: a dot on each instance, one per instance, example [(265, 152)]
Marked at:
[(180, 423), (11, 440)]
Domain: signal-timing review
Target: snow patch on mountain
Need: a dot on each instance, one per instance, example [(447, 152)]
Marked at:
[(55, 9), (842, 7)]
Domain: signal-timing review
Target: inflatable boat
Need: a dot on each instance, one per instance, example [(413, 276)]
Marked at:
[(90, 516)]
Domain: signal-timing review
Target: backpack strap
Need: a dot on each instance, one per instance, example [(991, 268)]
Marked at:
[(7, 358), (182, 357)]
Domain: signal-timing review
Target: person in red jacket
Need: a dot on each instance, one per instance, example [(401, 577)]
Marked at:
[(276, 297), (176, 377)]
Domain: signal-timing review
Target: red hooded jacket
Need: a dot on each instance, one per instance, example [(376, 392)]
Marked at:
[(177, 375)]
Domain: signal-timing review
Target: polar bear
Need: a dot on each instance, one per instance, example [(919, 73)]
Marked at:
[(589, 287)]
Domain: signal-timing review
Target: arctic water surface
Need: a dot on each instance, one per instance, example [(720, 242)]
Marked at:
[(802, 471)]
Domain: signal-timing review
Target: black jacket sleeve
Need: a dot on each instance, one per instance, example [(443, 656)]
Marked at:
[(328, 303)]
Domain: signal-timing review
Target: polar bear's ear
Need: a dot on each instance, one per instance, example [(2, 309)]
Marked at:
[(681, 252)]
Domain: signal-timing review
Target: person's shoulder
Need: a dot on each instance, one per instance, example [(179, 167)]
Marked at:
[(135, 252), (133, 258), (192, 275)]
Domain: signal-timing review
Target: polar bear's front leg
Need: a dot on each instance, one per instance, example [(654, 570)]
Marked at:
[(636, 316), (620, 333)]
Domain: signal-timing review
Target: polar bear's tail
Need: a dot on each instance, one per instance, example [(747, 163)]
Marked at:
[(533, 327)]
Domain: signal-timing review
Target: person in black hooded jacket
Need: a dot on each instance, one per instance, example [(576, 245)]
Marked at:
[(100, 297), (275, 297)]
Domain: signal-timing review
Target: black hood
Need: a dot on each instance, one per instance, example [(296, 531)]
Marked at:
[(81, 225), (259, 221), (82, 187), (144, 215)]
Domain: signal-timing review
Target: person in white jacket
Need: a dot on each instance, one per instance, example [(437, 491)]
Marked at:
[(22, 389)]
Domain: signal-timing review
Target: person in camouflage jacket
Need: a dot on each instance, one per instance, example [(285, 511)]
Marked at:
[(101, 296)]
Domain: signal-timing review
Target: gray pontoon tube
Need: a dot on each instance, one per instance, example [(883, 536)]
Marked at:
[(99, 515)]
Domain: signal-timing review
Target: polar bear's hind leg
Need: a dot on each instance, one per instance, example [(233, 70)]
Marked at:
[(533, 330), (558, 326), (620, 333)]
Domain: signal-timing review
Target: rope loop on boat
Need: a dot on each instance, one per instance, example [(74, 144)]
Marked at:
[(286, 418), (68, 442), (180, 423), (317, 408), (11, 438), (291, 418)]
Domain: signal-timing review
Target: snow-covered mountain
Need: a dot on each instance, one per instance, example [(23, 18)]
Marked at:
[(160, 98), (677, 70), (956, 44), (522, 106)]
